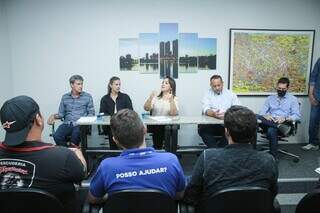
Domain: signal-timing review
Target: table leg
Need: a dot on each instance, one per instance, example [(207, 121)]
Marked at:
[(84, 147), (167, 138), (84, 141), (174, 138)]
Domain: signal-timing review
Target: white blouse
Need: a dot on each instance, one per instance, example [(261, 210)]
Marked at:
[(161, 107)]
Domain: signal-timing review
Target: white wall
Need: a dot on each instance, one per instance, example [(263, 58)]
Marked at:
[(5, 61), (51, 40)]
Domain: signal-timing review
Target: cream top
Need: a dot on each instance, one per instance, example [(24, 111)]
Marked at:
[(161, 107)]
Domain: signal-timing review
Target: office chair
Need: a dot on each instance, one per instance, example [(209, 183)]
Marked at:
[(310, 203), (294, 129), (142, 201), (236, 199), (29, 200)]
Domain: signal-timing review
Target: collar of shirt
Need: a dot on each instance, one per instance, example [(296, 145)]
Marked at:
[(239, 146), (70, 93), (281, 100), (119, 95), (284, 97), (215, 94), (28, 146), (137, 151)]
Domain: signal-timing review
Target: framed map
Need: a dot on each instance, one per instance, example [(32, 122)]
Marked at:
[(259, 57)]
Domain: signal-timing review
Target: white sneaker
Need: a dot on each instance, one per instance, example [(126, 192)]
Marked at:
[(310, 147)]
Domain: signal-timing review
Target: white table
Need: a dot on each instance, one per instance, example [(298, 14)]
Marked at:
[(172, 120), (171, 124)]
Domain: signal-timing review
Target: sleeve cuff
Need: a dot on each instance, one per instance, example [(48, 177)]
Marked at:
[(205, 110)]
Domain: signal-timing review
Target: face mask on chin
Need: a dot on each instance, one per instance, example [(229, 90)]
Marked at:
[(281, 93), (217, 92)]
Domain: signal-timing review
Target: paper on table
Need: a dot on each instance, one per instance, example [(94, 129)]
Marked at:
[(87, 119), (160, 118), (317, 170)]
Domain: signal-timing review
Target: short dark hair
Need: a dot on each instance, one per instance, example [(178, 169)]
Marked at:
[(216, 77), (241, 124), (112, 79), (172, 83), (127, 128), (284, 80), (74, 78)]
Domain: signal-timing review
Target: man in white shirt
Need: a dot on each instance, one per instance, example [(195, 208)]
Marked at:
[(215, 103)]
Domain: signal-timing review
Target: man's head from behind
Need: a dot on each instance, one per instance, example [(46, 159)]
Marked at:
[(19, 116), (216, 84), (240, 124), (127, 129)]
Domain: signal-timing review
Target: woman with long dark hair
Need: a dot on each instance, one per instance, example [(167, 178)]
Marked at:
[(164, 103), (112, 102)]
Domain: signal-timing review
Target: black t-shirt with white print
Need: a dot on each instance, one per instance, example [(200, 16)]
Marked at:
[(41, 165)]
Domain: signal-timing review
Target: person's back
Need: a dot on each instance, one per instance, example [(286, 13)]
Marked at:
[(41, 165), (138, 167), (27, 162), (238, 164), (141, 168)]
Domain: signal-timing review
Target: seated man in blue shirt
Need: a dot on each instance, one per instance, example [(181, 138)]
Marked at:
[(138, 167), (73, 105), (277, 114), (215, 103)]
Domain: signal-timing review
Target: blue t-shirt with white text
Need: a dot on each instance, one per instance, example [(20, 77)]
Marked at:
[(139, 169)]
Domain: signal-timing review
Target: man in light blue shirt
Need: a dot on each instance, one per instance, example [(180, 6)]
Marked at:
[(277, 114), (314, 97), (215, 103), (73, 105)]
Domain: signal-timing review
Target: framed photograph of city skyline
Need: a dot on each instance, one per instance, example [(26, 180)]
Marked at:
[(149, 53), (259, 57), (188, 52), (207, 53), (167, 52), (129, 54), (168, 46)]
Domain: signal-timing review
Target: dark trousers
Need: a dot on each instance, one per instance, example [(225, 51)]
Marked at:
[(158, 132), (213, 135), (112, 144), (66, 133), (271, 128), (314, 125)]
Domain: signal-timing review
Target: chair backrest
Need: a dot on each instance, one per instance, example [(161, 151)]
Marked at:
[(29, 200), (310, 203), (239, 199), (142, 201)]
